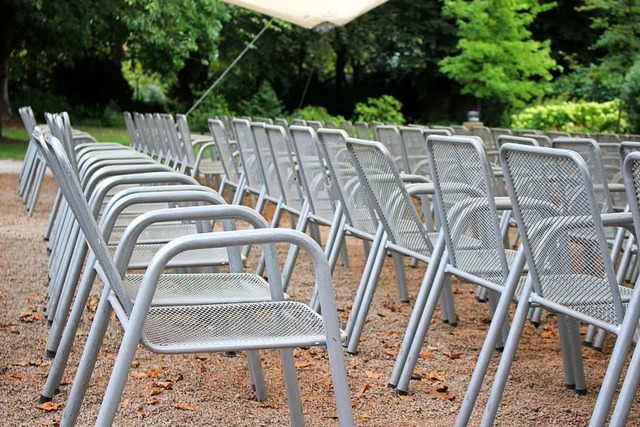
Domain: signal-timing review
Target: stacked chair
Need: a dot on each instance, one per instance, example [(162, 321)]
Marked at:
[(138, 212)]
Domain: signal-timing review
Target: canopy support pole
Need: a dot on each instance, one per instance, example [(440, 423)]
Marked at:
[(225, 72)]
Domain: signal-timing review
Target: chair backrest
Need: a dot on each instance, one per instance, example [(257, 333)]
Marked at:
[(344, 177), (626, 148), (270, 172), (330, 124), (561, 229), (250, 161), (543, 140), (264, 120), (313, 173), (485, 134), (388, 195), (362, 130), (498, 132), (460, 130), (347, 126), (390, 137), (281, 122), (225, 152), (185, 138), (590, 152), (134, 137), (315, 124), (604, 138), (285, 166), (465, 201), (414, 141), (299, 122), (503, 139), (53, 151)]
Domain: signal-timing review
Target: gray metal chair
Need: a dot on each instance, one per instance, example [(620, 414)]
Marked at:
[(276, 324), (464, 197), (564, 279), (629, 388)]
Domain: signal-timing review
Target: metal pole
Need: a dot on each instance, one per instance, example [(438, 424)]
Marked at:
[(225, 72)]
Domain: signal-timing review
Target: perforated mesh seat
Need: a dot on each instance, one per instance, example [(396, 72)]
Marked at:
[(217, 288), (156, 233), (143, 253), (274, 324)]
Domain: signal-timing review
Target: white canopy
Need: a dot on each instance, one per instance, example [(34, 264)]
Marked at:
[(311, 13)]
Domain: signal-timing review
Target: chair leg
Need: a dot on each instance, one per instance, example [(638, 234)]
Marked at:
[(422, 328), (292, 388), (88, 360), (257, 377), (416, 314), (506, 361), (358, 315), (401, 277), (54, 215), (565, 345), (446, 299), (500, 316), (63, 349), (627, 392), (598, 342), (576, 354)]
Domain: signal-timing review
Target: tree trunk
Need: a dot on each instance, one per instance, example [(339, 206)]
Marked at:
[(7, 19)]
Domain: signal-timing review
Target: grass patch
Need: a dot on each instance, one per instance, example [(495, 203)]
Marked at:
[(14, 142)]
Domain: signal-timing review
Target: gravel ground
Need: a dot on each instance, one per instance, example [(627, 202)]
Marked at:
[(209, 389)]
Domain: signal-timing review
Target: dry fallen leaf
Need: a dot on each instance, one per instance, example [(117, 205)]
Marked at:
[(364, 417), (435, 376), (140, 412), (371, 374), (453, 356), (184, 406), (153, 401), (48, 406), (425, 355), (155, 372), (48, 422), (441, 395), (405, 398), (305, 398), (300, 365), (126, 403), (156, 391), (364, 388), (167, 385), (200, 368), (138, 374)]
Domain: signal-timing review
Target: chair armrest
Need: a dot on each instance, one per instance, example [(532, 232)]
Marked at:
[(420, 189), (411, 178)]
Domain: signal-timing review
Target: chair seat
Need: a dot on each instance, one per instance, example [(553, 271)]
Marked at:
[(587, 294), (215, 288), (241, 326), (211, 167), (157, 233), (143, 253)]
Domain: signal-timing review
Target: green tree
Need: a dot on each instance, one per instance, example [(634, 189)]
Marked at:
[(498, 58)]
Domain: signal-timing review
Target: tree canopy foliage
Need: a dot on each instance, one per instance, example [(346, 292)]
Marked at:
[(437, 58)]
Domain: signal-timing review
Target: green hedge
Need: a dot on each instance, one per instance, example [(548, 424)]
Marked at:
[(572, 117)]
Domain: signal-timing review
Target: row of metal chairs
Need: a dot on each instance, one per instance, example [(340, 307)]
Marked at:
[(465, 234), (136, 213), (373, 193)]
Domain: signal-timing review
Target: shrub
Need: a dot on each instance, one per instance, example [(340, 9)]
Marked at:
[(213, 105), (571, 117), (315, 112), (385, 109), (263, 103)]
